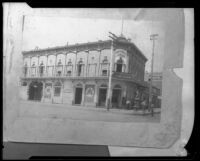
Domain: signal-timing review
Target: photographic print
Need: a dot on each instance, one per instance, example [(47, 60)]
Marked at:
[(94, 76), (71, 68)]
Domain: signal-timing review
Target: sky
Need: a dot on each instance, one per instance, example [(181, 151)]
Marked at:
[(45, 32)]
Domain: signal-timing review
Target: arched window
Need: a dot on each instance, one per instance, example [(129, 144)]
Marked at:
[(105, 60), (104, 66), (69, 62), (33, 69), (59, 62), (119, 65), (41, 68), (79, 66)]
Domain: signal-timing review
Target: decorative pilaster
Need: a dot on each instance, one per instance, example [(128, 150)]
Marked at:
[(75, 63), (37, 68), (43, 89), (99, 63), (47, 64), (54, 74), (86, 67), (83, 95)]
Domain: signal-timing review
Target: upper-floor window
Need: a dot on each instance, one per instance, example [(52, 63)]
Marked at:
[(69, 72), (105, 60), (92, 60), (59, 62), (104, 72), (41, 68), (50, 62), (119, 65), (79, 66), (80, 61), (25, 69), (69, 62)]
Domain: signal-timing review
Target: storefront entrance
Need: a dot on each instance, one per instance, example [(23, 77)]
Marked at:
[(57, 92), (116, 96), (78, 95), (35, 91), (102, 96)]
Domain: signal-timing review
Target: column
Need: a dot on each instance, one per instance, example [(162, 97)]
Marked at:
[(96, 94), (38, 74), (83, 95), (86, 67), (65, 70), (43, 89), (62, 88), (99, 63), (75, 63), (55, 66), (52, 92), (74, 92), (28, 71)]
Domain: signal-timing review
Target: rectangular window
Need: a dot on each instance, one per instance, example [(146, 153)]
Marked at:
[(24, 84), (69, 73), (104, 72), (57, 91)]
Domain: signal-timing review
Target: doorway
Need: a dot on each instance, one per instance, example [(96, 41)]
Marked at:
[(116, 96), (102, 96), (35, 91), (119, 68), (78, 95)]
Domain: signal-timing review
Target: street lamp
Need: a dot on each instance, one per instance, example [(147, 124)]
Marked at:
[(152, 37)]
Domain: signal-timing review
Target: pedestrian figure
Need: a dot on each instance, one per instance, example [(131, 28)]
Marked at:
[(123, 102), (144, 105), (128, 104)]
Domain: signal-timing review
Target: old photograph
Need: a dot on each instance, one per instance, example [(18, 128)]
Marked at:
[(96, 69), (114, 77)]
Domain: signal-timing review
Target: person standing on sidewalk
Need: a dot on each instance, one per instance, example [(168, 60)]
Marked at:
[(128, 104)]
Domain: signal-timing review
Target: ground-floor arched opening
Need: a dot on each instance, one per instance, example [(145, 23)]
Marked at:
[(102, 95), (116, 96), (78, 94), (35, 91)]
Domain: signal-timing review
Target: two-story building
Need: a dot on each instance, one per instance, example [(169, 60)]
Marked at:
[(78, 74)]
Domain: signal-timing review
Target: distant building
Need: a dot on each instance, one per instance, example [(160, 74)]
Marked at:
[(156, 79), (78, 74)]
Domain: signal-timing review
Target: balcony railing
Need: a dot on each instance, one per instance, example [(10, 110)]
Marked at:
[(81, 70)]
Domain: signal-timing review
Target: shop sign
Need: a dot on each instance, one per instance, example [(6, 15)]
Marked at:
[(89, 93), (66, 90)]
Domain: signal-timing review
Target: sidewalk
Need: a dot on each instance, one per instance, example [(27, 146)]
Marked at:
[(93, 108)]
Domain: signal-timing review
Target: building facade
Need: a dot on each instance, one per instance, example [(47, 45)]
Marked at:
[(78, 74)]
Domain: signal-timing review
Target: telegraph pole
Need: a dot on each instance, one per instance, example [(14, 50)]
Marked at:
[(108, 100), (152, 37)]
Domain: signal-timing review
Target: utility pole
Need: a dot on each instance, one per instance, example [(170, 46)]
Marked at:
[(152, 37), (108, 100)]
